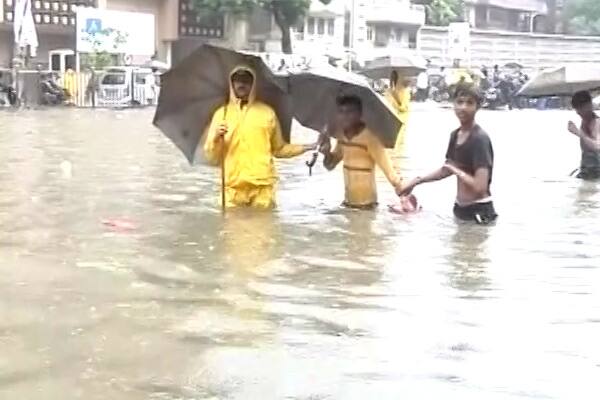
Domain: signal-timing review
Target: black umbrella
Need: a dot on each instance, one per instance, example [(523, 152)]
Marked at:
[(314, 94), (193, 90)]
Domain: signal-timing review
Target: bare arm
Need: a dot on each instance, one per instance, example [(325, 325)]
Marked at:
[(590, 143), (478, 183), (437, 175)]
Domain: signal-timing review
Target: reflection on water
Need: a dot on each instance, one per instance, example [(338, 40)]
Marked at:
[(310, 302)]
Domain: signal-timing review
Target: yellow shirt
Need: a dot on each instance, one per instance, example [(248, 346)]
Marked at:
[(360, 155)]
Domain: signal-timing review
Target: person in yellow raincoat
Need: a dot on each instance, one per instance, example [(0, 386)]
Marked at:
[(360, 150), (399, 97), (248, 134), (70, 85)]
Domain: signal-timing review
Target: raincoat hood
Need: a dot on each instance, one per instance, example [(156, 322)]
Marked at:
[(233, 99)]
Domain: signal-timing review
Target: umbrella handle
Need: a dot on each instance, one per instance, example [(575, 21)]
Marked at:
[(311, 163), (223, 174)]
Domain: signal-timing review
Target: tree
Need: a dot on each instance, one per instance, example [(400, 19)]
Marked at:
[(583, 17), (286, 13), (99, 58), (444, 12)]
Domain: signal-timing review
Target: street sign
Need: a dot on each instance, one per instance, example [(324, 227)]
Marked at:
[(93, 26)]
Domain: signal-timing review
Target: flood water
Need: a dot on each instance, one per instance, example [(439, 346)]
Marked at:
[(310, 302)]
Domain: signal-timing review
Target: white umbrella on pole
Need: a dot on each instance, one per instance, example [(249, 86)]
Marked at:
[(24, 26)]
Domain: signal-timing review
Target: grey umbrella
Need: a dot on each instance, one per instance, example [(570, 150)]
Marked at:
[(563, 81), (405, 65), (193, 90), (314, 94)]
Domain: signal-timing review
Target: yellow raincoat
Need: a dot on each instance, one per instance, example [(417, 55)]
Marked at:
[(360, 156), (253, 139), (70, 84), (399, 98)]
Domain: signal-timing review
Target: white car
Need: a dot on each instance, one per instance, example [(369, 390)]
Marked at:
[(127, 86)]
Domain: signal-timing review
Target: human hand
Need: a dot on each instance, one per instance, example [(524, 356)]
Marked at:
[(405, 190), (451, 168), (325, 146), (573, 128), (221, 132)]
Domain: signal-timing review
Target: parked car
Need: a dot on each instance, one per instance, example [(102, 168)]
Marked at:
[(126, 86)]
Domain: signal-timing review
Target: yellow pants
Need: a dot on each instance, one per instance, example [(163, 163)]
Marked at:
[(262, 197)]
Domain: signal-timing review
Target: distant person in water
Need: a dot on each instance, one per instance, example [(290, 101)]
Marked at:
[(470, 157), (361, 151), (588, 134)]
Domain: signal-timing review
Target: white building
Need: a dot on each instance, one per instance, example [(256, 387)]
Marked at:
[(378, 27), (369, 27), (323, 29)]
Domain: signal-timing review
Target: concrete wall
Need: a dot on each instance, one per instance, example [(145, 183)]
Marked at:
[(48, 41), (493, 47)]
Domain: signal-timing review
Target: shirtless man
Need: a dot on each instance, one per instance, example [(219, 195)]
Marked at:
[(588, 134), (470, 157)]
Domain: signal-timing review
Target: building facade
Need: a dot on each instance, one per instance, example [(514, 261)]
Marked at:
[(508, 15), (179, 27)]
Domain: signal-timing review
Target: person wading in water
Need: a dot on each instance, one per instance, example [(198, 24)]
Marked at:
[(360, 150), (588, 134), (247, 133), (470, 157)]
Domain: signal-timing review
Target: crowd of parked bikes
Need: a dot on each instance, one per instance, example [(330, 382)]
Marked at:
[(499, 87)]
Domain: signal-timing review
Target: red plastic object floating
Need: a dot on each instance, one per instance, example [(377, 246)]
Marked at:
[(408, 205), (120, 225)]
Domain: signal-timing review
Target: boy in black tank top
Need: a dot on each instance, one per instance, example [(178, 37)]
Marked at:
[(470, 157)]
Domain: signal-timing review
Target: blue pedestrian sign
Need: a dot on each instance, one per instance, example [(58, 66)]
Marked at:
[(93, 26)]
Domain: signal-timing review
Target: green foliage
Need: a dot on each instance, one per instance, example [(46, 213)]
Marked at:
[(583, 17), (99, 58), (444, 12), (286, 12)]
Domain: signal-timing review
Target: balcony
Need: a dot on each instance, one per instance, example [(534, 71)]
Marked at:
[(396, 13)]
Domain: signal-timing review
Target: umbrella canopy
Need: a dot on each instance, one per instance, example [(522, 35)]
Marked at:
[(563, 81), (406, 65), (193, 90), (314, 94)]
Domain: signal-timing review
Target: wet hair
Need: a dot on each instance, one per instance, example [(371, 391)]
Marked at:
[(470, 91), (581, 98), (242, 75), (350, 101)]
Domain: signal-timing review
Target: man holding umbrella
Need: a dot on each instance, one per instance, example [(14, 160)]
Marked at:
[(244, 136)]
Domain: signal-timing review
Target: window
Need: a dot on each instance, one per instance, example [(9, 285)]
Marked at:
[(412, 40), (54, 12), (331, 27), (200, 23), (397, 34), (311, 26), (114, 79), (370, 33), (321, 26)]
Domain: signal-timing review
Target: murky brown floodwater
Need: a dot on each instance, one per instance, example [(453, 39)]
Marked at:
[(311, 302)]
